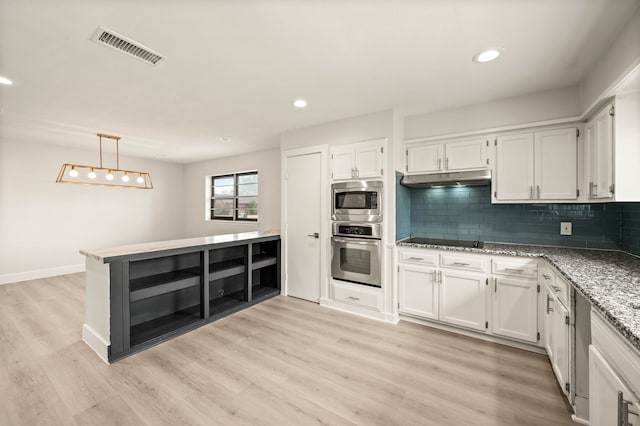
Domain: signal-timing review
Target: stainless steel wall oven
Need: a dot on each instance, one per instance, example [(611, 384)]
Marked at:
[(356, 253)]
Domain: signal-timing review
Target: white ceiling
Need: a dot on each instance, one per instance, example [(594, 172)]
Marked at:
[(234, 67)]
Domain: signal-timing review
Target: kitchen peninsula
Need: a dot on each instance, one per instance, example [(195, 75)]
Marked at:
[(140, 295)]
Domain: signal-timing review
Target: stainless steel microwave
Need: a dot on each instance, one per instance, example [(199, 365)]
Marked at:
[(359, 201)]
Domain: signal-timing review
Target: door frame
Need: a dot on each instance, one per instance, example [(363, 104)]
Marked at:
[(325, 215)]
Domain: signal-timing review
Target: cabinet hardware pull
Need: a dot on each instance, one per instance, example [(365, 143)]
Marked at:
[(538, 192), (435, 275), (353, 298), (459, 264), (440, 277), (416, 258), (546, 277), (590, 190), (555, 288), (495, 285), (439, 163), (514, 270), (446, 163), (549, 308)]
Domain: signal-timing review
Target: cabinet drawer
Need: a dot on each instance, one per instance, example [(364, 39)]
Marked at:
[(357, 295), (467, 263), (561, 289), (420, 257), (526, 268)]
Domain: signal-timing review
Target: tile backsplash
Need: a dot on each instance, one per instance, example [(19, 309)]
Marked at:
[(466, 213), (631, 228)]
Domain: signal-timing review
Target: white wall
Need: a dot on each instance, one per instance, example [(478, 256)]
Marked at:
[(348, 130), (621, 57), (194, 196), (43, 224), (534, 107)]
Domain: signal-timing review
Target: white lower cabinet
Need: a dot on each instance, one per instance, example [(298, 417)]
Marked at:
[(456, 289), (418, 291), (557, 326), (614, 377), (515, 308), (463, 299)]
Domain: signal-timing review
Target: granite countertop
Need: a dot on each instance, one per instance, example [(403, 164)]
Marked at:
[(109, 254), (609, 279)]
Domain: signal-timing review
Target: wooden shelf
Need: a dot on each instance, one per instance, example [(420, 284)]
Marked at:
[(263, 260), (225, 269), (159, 326), (155, 285)]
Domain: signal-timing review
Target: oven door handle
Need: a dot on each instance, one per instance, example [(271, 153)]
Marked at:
[(369, 242)]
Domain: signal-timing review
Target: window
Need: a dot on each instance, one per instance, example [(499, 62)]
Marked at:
[(235, 196)]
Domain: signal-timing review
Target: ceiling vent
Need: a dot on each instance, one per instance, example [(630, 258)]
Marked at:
[(124, 44)]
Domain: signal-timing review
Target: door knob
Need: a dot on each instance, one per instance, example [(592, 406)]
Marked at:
[(314, 235)]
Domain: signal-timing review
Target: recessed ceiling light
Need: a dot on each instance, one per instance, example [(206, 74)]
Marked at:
[(224, 139), (5, 80), (299, 103), (488, 55)]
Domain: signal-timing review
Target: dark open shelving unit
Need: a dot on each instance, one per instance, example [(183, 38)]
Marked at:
[(157, 296)]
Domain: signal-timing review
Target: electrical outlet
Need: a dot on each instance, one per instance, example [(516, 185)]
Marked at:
[(565, 228)]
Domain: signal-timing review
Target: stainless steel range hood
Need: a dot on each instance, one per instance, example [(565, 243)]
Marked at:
[(473, 178)]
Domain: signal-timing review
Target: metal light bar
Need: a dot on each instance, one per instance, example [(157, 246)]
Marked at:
[(104, 176)]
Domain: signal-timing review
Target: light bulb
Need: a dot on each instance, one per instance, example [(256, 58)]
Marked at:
[(109, 176), (125, 178), (73, 172), (299, 103), (92, 174), (140, 179)]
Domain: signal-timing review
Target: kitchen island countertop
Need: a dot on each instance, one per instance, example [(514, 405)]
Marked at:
[(107, 255), (609, 279)]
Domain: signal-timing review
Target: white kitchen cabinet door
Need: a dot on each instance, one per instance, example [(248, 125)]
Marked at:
[(368, 159), (463, 299), (466, 155), (418, 291), (550, 302), (515, 308), (560, 330), (514, 167), (343, 163), (590, 152), (603, 132), (556, 176), (604, 385), (424, 158)]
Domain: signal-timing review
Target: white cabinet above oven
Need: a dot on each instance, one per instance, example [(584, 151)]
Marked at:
[(362, 160)]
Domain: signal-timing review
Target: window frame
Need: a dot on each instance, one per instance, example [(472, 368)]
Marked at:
[(235, 197)]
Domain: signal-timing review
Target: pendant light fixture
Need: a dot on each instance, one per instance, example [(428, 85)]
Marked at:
[(101, 176)]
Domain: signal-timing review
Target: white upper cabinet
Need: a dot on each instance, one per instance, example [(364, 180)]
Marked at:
[(369, 160), (357, 161), (556, 161), (613, 151), (540, 166), (514, 167), (434, 157), (424, 158), (466, 155)]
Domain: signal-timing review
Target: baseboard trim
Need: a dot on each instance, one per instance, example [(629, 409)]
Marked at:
[(96, 342), (361, 312), (494, 339), (41, 273)]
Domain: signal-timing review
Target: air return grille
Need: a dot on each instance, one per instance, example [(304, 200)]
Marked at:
[(126, 45)]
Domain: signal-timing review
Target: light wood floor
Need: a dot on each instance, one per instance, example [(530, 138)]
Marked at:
[(282, 362)]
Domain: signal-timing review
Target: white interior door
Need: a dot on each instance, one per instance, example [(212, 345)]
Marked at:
[(303, 215)]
